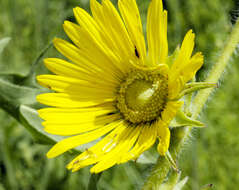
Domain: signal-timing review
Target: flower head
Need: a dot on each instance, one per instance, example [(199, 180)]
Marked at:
[(112, 91)]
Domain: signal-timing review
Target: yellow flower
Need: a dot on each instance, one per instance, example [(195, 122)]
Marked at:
[(113, 92)]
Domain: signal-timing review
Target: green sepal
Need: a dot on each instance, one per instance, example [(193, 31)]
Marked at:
[(195, 86), (182, 120)]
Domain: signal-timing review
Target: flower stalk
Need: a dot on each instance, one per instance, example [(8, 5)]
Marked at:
[(180, 135)]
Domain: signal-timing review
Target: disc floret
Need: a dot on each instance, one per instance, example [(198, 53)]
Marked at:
[(142, 96)]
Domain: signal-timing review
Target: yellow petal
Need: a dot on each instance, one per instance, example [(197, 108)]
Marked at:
[(183, 57), (91, 39), (164, 138), (175, 87), (157, 33), (125, 142), (189, 70), (87, 22), (66, 116), (131, 16), (75, 86), (109, 151), (93, 154), (64, 100), (64, 68), (170, 110), (99, 63), (145, 140), (78, 126), (113, 27), (72, 142)]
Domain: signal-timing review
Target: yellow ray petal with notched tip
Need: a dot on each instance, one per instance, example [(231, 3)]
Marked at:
[(184, 66), (94, 154), (183, 57), (108, 151), (145, 140), (125, 142), (189, 70), (72, 142)]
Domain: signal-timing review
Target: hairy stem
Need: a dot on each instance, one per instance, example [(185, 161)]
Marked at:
[(216, 71), (179, 136)]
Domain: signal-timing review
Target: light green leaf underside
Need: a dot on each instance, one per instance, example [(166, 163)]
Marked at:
[(30, 119)]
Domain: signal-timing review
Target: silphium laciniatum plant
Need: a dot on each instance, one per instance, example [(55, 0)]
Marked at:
[(114, 90)]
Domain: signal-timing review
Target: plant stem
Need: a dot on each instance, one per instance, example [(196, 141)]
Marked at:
[(217, 71), (158, 174), (179, 136)]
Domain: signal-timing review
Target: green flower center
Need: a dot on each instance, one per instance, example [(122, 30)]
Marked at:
[(142, 96)]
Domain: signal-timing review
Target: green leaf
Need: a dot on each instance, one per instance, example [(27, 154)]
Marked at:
[(19, 101), (182, 119), (14, 99), (30, 119), (12, 95), (3, 43), (32, 122)]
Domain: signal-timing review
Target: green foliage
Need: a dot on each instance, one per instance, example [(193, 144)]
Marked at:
[(212, 153), (3, 43)]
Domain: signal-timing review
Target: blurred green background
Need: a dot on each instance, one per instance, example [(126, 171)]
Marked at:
[(210, 157)]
